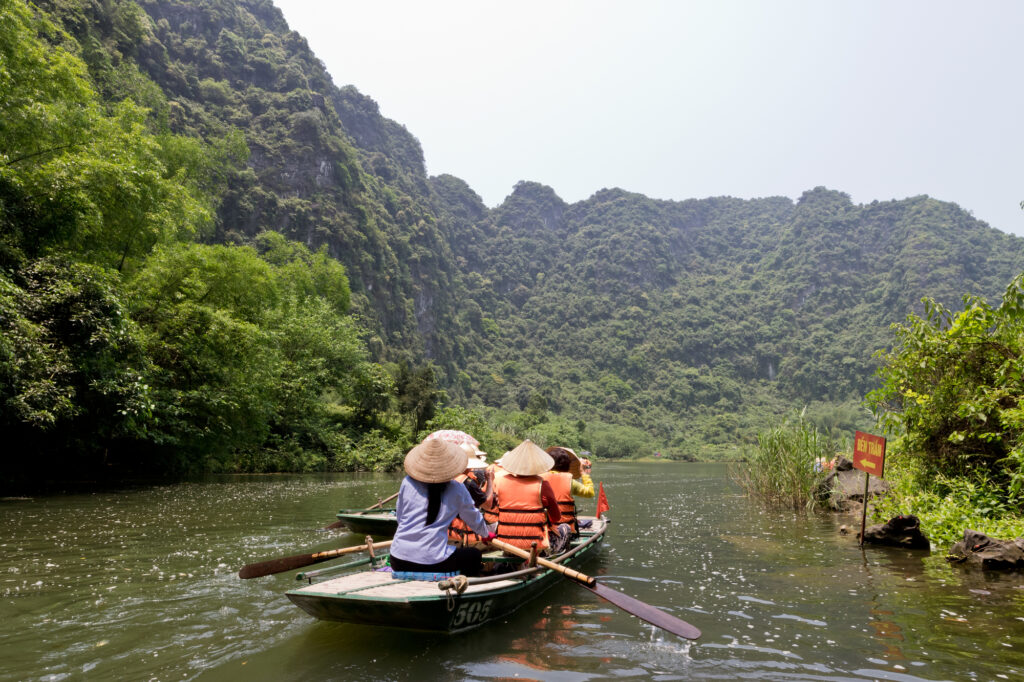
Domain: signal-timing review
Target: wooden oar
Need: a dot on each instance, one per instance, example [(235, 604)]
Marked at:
[(339, 523), (641, 610), (289, 563)]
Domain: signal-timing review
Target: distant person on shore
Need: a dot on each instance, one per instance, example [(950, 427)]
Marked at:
[(527, 506), (428, 501), (569, 478)]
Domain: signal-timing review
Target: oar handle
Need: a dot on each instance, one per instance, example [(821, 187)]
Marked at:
[(380, 503), (290, 563), (564, 570), (331, 553)]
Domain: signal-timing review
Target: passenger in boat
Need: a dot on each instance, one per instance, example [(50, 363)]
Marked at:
[(568, 477), (527, 505), (428, 500), (477, 479), (490, 506)]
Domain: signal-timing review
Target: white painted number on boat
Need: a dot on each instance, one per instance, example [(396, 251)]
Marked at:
[(472, 612)]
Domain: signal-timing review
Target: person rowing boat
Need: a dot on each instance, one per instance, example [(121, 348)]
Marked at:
[(428, 501)]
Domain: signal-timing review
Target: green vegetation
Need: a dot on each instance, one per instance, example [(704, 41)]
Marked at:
[(499, 431), (781, 471), (952, 388), (211, 257), (702, 322), (128, 347)]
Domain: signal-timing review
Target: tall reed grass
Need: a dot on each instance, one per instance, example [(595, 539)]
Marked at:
[(781, 470)]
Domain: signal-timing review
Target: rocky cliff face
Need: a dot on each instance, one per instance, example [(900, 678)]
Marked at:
[(665, 305)]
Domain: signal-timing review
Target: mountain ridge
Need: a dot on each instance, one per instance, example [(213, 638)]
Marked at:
[(692, 319)]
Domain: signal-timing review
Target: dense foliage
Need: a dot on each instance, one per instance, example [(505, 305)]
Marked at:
[(125, 345), (952, 390), (153, 151), (704, 321)]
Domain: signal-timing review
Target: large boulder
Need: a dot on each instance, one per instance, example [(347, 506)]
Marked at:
[(900, 531), (981, 551), (844, 487)]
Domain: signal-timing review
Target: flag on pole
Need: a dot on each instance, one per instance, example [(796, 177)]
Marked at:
[(602, 501)]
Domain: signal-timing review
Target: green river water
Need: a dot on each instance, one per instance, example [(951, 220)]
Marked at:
[(141, 583)]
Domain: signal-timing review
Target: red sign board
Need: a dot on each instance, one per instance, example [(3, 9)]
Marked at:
[(869, 453)]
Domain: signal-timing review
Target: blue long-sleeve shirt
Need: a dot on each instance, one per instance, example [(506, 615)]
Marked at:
[(429, 544)]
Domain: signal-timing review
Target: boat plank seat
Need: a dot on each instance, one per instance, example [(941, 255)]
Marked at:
[(402, 589), (351, 582)]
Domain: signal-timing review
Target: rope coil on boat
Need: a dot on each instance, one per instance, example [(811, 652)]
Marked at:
[(453, 587)]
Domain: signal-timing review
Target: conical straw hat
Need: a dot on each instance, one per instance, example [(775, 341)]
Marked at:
[(527, 460), (473, 451), (435, 461), (477, 459), (476, 463), (575, 467)]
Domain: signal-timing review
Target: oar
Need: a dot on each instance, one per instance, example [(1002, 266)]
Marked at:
[(645, 612), (289, 563), (339, 523)]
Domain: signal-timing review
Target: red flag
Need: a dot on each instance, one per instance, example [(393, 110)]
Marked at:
[(602, 501)]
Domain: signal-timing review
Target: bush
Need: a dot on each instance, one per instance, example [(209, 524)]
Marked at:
[(373, 452), (781, 471), (946, 505)]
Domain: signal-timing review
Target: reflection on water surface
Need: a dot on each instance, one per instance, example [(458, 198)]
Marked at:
[(141, 583)]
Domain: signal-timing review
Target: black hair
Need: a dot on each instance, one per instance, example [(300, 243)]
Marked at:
[(434, 493), (563, 460)]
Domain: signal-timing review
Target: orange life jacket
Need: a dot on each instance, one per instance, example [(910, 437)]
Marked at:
[(561, 484), (522, 518), (490, 508), (459, 531)]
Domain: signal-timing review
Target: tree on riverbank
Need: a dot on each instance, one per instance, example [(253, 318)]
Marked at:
[(953, 386), (126, 347)]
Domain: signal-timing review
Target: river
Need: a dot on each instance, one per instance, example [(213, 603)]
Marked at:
[(141, 583)]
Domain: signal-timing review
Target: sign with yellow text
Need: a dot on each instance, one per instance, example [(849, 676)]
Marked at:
[(869, 453)]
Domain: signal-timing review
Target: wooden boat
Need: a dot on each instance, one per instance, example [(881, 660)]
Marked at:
[(374, 597), (374, 521)]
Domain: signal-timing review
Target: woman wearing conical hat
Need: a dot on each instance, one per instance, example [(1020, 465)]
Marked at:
[(428, 500), (527, 505), (569, 478)]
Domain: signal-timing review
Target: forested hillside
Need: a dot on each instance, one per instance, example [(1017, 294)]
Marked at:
[(213, 256), (699, 320)]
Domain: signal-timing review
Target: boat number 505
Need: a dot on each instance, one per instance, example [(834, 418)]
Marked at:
[(471, 612)]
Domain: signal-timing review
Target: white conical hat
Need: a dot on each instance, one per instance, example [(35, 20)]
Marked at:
[(435, 461), (476, 463), (473, 451), (527, 460)]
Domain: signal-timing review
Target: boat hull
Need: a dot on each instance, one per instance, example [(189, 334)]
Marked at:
[(380, 600), (381, 523)]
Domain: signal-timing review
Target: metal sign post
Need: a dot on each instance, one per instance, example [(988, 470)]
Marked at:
[(869, 457)]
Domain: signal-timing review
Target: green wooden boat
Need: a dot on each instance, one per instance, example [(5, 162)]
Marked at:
[(378, 522), (372, 597)]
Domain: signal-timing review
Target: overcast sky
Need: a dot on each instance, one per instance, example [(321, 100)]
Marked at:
[(680, 100)]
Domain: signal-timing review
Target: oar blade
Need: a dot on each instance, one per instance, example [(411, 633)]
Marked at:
[(288, 563), (643, 611), (337, 524)]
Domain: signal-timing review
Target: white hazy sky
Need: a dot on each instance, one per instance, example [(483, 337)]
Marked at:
[(680, 100)]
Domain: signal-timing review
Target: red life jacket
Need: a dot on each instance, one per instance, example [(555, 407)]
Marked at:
[(522, 518), (561, 484), (459, 531)]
